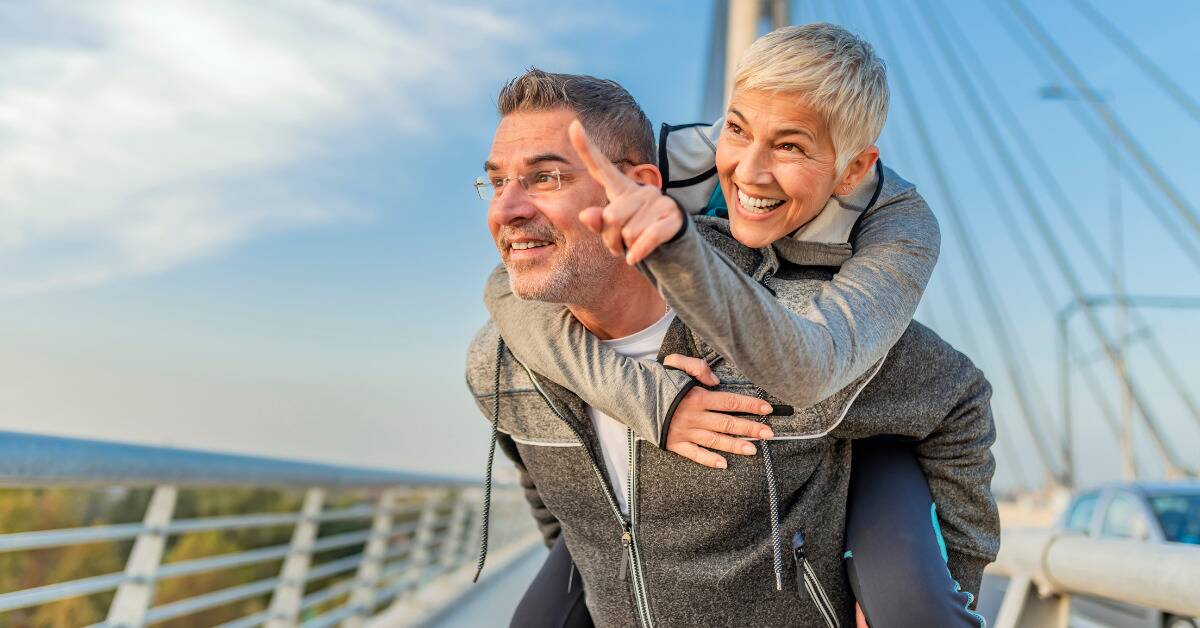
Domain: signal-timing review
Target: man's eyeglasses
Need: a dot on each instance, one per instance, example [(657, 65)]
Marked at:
[(536, 182)]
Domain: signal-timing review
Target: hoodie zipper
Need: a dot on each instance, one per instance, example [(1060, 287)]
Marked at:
[(639, 578), (628, 538)]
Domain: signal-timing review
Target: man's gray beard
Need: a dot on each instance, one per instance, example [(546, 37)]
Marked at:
[(578, 276)]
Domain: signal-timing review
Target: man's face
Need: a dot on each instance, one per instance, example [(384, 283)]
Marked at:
[(549, 254)]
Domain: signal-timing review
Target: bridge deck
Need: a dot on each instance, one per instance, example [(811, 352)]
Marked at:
[(493, 601)]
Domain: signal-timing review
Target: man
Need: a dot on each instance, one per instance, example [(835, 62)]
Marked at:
[(658, 539)]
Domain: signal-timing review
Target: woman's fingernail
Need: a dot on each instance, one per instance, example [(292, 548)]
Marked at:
[(721, 464), (765, 434), (748, 449), (764, 408)]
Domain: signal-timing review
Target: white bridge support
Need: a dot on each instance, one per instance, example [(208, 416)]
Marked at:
[(362, 599), (1047, 567), (136, 593), (289, 592)]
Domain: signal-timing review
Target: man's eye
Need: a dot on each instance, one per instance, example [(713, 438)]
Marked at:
[(542, 177), (497, 182)]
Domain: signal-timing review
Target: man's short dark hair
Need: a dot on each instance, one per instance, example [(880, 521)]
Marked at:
[(611, 116)]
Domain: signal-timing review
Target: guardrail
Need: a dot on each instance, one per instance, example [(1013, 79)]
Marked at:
[(421, 527), (1047, 567)]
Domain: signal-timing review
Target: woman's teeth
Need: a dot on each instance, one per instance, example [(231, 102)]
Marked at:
[(758, 205), (521, 246)]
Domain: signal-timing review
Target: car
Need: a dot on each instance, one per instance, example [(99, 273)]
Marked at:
[(1154, 512)]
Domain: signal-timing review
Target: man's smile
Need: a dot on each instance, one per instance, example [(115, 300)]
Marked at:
[(527, 249)]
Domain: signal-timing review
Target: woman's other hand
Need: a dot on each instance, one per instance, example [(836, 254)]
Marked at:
[(701, 422)]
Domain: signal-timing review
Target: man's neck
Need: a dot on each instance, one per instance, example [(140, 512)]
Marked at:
[(627, 306)]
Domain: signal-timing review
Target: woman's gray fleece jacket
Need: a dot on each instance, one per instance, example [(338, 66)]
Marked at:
[(701, 546)]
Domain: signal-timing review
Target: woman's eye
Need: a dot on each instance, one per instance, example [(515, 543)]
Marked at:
[(791, 148), (733, 128)]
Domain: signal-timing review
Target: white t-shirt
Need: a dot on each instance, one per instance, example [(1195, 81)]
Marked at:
[(614, 436)]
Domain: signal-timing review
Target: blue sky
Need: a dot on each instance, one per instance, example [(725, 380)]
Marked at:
[(250, 227)]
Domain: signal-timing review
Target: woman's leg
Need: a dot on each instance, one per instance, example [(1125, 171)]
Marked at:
[(555, 597), (895, 555)]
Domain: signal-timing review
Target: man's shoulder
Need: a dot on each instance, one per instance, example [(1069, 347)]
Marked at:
[(921, 354), (922, 376), (486, 361), (920, 340), (481, 358)]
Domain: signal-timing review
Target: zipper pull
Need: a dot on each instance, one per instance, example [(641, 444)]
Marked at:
[(799, 560), (626, 541), (807, 585)]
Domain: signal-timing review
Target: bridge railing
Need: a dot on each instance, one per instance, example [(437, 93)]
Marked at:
[(1047, 567), (421, 527)]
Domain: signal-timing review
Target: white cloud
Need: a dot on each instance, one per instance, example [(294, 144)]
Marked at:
[(135, 136)]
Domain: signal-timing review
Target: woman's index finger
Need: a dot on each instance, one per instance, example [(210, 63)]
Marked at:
[(606, 172)]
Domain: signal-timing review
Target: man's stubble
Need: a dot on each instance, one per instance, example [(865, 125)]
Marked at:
[(579, 274)]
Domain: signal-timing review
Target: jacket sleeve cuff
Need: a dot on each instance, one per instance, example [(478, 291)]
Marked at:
[(683, 227), (670, 413), (968, 573)]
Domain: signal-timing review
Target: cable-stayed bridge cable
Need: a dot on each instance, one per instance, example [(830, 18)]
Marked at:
[(1139, 154), (1058, 255), (1151, 69), (1189, 246), (1063, 201)]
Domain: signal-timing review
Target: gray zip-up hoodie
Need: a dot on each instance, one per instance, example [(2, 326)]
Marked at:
[(701, 546)]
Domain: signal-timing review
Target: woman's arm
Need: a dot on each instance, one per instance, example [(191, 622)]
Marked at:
[(550, 341), (804, 350)]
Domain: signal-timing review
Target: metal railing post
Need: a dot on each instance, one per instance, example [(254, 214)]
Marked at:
[(362, 599), (1024, 606), (455, 541), (418, 556), (135, 595), (285, 601)]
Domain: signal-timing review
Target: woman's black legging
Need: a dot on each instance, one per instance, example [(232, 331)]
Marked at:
[(555, 597), (895, 555)]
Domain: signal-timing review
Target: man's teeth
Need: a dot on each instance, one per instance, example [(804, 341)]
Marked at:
[(521, 246), (762, 205)]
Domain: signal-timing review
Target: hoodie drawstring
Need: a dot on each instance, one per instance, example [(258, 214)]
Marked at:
[(773, 502), (487, 483), (773, 497)]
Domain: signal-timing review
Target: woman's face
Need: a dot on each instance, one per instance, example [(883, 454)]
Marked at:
[(776, 164)]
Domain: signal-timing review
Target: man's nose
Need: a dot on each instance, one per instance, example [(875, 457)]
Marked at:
[(754, 166), (510, 204)]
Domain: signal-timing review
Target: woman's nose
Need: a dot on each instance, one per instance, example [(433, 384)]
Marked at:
[(754, 167)]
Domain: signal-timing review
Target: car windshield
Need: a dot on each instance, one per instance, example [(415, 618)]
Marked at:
[(1179, 515)]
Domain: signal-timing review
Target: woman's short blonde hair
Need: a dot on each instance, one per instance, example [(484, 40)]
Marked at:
[(833, 71)]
